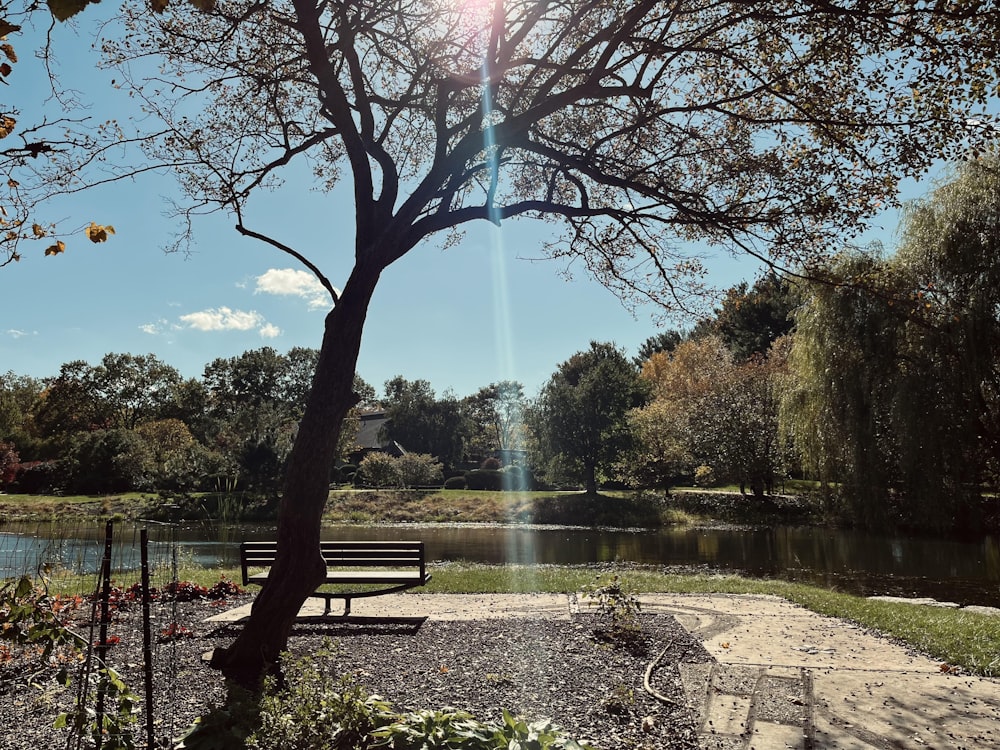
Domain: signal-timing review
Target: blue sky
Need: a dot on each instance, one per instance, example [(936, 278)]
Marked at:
[(459, 318)]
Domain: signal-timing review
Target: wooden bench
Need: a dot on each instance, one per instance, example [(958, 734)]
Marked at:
[(390, 566)]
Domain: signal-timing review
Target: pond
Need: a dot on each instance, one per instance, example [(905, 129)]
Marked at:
[(854, 561)]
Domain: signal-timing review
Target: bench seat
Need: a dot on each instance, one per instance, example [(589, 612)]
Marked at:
[(389, 566)]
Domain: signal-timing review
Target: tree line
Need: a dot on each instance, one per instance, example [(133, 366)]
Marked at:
[(876, 376)]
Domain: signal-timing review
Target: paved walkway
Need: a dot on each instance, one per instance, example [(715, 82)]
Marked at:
[(784, 677)]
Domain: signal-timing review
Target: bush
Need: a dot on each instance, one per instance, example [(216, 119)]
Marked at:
[(484, 479), (704, 476), (419, 470), (517, 479), (455, 483), (490, 464), (315, 711), (379, 470), (106, 461), (36, 477)]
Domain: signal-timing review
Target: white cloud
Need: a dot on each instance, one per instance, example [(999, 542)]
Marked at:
[(157, 327), (17, 334), (223, 319), (269, 331), (295, 283)]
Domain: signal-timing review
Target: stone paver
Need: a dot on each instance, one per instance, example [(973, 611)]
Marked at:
[(784, 677)]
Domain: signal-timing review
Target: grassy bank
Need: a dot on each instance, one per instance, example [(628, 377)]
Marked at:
[(962, 639), (622, 509)]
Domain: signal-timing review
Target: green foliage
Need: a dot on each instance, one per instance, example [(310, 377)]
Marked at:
[(430, 730), (581, 413), (106, 461), (455, 483), (517, 479), (379, 469), (895, 394), (120, 702), (419, 470), (420, 421), (496, 413), (704, 476), (484, 479), (750, 320), (312, 710)]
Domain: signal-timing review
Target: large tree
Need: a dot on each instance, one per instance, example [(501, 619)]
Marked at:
[(581, 415), (762, 126), (423, 423), (895, 384)]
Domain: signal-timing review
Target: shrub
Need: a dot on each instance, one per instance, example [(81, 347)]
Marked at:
[(379, 470), (483, 479), (490, 464), (517, 479), (9, 461), (106, 461), (419, 470), (704, 476), (315, 711), (455, 483), (35, 477)]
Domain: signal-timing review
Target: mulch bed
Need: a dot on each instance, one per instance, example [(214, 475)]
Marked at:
[(589, 685)]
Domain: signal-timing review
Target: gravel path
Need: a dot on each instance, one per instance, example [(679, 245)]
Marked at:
[(563, 670)]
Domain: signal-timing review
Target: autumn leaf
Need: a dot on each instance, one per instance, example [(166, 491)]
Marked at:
[(59, 247), (98, 233), (8, 50), (7, 125), (6, 27), (37, 230)]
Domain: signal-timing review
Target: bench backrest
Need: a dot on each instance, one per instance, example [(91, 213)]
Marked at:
[(371, 554)]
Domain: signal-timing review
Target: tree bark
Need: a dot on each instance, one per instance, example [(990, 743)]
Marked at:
[(299, 566), (590, 478)]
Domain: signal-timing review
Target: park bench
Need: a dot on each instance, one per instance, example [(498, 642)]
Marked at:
[(386, 566)]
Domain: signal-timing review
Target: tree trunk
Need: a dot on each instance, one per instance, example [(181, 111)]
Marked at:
[(299, 567), (590, 478)]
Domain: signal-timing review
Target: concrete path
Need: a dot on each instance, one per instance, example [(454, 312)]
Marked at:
[(784, 677)]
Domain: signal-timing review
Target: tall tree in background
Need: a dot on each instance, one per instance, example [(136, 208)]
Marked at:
[(423, 423), (763, 127), (751, 319), (679, 381), (497, 415), (896, 380), (581, 415)]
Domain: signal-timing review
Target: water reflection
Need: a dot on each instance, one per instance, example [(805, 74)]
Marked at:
[(859, 562)]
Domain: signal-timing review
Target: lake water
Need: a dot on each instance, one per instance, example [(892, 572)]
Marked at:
[(858, 562)]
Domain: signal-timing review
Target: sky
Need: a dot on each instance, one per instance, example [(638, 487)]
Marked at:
[(460, 318)]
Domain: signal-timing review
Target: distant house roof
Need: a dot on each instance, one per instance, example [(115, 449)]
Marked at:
[(368, 432)]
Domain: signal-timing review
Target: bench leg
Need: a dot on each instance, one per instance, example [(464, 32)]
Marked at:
[(347, 606)]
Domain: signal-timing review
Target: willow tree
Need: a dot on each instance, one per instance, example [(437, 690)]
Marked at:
[(637, 126)]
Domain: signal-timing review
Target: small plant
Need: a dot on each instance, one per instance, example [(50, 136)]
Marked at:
[(174, 632), (32, 625), (428, 730), (618, 606), (312, 710), (619, 701)]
